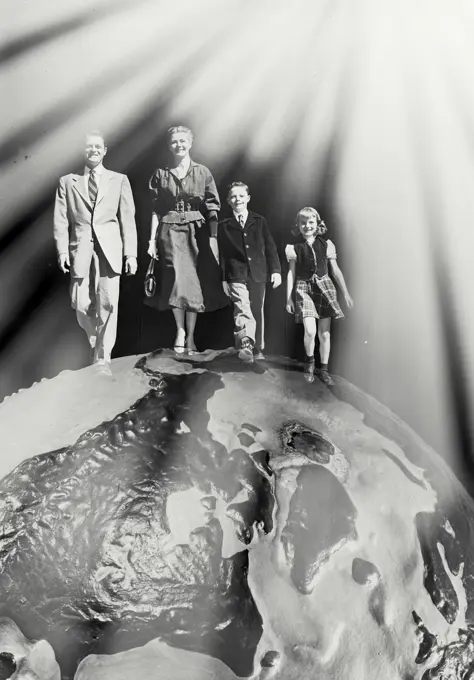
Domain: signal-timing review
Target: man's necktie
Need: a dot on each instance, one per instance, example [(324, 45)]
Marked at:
[(92, 187), (241, 221)]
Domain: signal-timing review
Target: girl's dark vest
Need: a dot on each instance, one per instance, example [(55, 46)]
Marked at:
[(311, 260)]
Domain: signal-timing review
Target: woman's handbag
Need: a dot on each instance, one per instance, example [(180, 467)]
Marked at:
[(150, 280)]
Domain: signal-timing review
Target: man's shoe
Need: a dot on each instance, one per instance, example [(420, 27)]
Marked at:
[(245, 353)]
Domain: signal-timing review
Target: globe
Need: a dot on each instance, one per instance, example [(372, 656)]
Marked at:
[(193, 517)]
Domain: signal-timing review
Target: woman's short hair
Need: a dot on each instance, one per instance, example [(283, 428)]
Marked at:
[(180, 128), (307, 212)]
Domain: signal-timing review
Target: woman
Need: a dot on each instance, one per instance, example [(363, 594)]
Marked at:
[(184, 239)]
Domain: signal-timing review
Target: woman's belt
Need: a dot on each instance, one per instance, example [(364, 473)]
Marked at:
[(182, 216)]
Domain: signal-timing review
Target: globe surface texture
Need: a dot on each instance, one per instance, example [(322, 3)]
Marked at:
[(194, 519)]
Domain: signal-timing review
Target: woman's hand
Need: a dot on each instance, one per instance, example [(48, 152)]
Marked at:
[(225, 286), (290, 306), (349, 300), (152, 252), (214, 248)]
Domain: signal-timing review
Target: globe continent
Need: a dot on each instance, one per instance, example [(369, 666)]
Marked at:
[(194, 518)]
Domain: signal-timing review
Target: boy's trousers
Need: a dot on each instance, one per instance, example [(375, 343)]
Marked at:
[(248, 299)]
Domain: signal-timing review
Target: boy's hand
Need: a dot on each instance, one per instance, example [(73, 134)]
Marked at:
[(349, 301), (276, 280), (290, 306), (225, 286), (130, 266)]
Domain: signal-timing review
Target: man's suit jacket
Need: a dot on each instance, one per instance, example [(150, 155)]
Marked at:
[(112, 221), (249, 252)]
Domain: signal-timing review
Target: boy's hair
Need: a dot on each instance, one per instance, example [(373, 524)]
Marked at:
[(322, 229), (96, 133), (180, 128), (232, 185)]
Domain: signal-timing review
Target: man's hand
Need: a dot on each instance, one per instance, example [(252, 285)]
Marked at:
[(214, 248), (64, 264), (276, 280), (290, 306), (130, 266)]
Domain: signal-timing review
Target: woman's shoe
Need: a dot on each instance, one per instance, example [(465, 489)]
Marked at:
[(179, 346), (191, 348)]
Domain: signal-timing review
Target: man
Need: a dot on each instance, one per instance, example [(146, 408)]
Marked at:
[(95, 231)]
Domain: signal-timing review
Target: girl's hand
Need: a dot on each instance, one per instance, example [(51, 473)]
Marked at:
[(152, 249), (349, 301), (214, 248), (290, 306)]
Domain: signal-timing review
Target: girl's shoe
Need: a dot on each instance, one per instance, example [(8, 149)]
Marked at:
[(326, 378), (309, 372), (179, 349), (258, 355)]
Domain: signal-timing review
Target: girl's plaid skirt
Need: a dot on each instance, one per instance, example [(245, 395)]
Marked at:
[(316, 298)]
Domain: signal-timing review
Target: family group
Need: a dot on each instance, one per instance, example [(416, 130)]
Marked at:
[(197, 263)]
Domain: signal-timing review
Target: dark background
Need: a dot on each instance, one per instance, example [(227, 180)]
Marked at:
[(140, 328)]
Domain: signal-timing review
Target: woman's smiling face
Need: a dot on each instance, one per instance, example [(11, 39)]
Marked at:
[(180, 144)]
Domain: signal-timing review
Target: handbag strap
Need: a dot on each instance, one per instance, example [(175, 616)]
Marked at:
[(151, 267)]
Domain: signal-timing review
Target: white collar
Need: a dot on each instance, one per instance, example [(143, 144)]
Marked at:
[(98, 170), (244, 214)]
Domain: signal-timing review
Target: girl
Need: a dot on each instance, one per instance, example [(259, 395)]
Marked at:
[(315, 294)]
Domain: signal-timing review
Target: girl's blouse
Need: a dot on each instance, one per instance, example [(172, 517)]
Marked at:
[(312, 258)]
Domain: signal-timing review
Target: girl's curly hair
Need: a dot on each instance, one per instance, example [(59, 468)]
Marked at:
[(321, 226)]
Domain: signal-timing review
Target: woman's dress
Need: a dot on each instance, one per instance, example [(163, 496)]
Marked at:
[(188, 276)]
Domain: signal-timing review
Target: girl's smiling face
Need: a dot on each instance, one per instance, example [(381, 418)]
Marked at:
[(308, 226)]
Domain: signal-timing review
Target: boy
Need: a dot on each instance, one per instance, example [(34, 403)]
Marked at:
[(249, 259)]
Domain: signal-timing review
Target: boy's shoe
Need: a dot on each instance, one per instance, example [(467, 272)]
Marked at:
[(326, 378), (309, 371), (245, 353), (258, 355)]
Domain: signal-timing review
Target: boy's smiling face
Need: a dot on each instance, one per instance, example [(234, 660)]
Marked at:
[(238, 198), (308, 226)]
